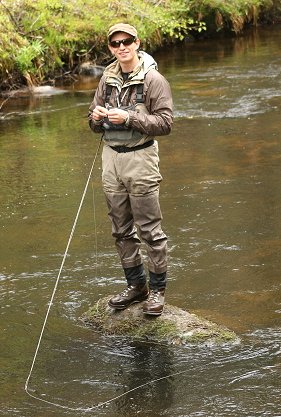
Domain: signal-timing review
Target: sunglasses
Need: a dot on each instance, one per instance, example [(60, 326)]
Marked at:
[(126, 42)]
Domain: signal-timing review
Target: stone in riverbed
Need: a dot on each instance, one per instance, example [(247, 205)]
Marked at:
[(89, 68), (174, 327)]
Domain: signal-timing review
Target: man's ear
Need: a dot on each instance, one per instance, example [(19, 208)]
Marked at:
[(111, 50), (137, 42)]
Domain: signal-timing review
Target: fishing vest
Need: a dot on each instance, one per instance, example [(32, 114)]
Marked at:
[(121, 132)]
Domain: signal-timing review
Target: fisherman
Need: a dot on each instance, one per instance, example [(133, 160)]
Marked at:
[(132, 105)]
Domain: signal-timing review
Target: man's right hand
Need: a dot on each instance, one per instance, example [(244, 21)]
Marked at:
[(99, 113)]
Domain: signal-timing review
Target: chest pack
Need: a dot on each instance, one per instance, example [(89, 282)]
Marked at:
[(121, 132), (139, 93)]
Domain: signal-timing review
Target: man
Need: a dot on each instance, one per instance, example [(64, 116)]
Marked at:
[(132, 104)]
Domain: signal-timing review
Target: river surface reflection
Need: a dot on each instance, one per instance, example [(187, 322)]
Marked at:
[(221, 201)]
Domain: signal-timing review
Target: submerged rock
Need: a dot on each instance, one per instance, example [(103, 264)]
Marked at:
[(42, 90), (174, 327), (89, 68)]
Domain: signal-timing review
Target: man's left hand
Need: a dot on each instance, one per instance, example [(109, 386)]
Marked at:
[(117, 116)]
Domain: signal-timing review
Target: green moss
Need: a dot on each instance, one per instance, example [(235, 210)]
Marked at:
[(157, 328)]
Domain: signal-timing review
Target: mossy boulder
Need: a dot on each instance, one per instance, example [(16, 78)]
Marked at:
[(174, 327)]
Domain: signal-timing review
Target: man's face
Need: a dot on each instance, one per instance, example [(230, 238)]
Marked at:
[(124, 53)]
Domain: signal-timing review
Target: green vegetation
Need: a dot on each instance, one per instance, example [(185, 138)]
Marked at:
[(42, 39)]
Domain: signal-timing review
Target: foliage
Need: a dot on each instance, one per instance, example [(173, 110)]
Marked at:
[(271, 11), (42, 38), (231, 14), (28, 55)]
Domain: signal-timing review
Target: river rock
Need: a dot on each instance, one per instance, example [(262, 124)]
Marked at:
[(43, 90), (89, 68), (174, 327)]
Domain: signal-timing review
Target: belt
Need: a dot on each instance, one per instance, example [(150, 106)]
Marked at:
[(124, 149)]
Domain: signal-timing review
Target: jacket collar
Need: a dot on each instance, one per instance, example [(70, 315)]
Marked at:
[(113, 75)]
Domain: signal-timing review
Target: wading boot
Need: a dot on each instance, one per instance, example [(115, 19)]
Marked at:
[(132, 294), (155, 303)]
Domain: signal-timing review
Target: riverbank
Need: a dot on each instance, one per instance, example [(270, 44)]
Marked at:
[(42, 42)]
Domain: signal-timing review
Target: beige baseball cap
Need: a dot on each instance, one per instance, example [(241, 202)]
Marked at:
[(122, 27)]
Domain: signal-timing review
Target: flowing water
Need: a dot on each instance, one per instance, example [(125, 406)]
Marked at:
[(221, 202)]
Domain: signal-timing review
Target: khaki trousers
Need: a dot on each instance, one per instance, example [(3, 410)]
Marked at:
[(131, 185)]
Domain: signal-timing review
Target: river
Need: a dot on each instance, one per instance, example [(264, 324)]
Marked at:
[(221, 202)]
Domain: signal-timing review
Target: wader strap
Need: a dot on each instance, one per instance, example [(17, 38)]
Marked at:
[(140, 98), (108, 92)]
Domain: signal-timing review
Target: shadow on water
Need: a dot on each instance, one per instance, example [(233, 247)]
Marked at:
[(221, 204)]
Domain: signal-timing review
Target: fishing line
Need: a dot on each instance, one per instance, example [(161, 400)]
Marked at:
[(26, 386), (102, 404), (60, 270), (95, 231)]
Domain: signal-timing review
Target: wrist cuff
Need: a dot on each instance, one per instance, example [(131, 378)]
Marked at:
[(127, 120)]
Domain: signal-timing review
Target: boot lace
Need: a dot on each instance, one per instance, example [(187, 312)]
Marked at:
[(127, 290), (153, 297)]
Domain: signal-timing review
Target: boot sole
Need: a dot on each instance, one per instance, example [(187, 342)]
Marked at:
[(152, 313)]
